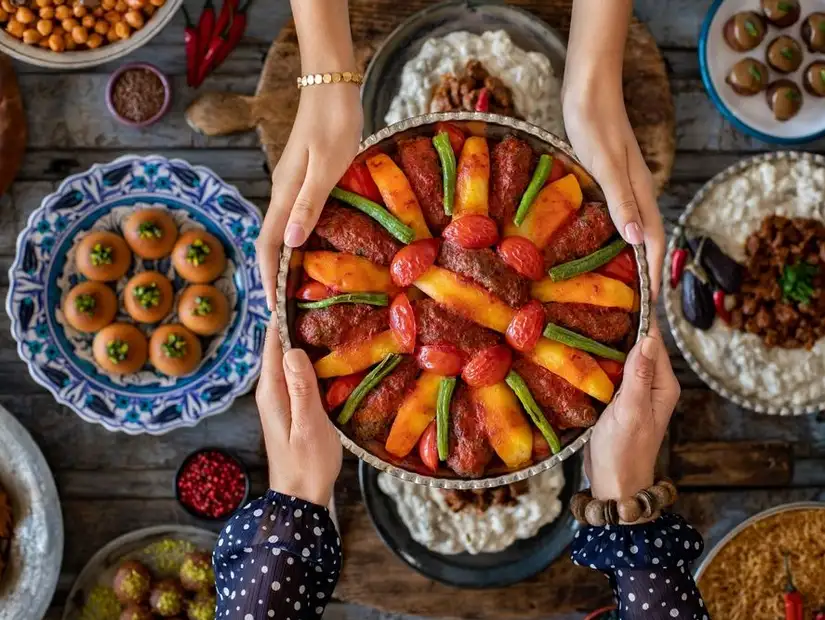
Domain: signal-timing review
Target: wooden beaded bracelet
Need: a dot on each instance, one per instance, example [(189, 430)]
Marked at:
[(643, 506)]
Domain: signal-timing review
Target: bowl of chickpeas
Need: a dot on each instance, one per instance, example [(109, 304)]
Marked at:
[(73, 34)]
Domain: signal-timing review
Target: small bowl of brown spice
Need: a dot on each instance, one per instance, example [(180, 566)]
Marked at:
[(138, 94)]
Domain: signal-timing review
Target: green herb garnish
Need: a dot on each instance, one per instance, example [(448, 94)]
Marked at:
[(785, 7), (792, 95), (797, 282), (101, 255), (755, 73), (788, 53), (147, 295), (175, 346), (117, 351), (203, 306), (821, 26), (149, 230), (822, 75), (751, 29), (197, 252), (85, 303)]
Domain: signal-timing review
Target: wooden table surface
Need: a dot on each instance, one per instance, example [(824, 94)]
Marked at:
[(730, 463)]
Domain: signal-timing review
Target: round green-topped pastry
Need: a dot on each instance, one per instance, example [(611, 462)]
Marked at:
[(132, 583), (196, 572), (167, 598)]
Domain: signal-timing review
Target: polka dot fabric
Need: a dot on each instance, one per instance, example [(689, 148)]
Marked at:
[(278, 557), (648, 567)]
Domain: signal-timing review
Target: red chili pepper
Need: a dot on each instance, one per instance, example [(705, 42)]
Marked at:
[(357, 179), (719, 303), (191, 39), (236, 32), (206, 26), (820, 615), (211, 52), (677, 266), (483, 102), (794, 605), (225, 17)]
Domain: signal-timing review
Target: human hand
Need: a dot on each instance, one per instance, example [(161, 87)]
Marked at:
[(621, 455), (600, 133), (323, 142), (302, 446)]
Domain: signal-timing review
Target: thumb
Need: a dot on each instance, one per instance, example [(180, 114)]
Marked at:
[(302, 384), (308, 205), (621, 201), (639, 372)]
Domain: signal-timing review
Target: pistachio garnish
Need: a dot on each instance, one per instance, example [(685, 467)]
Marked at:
[(102, 255), (117, 351), (197, 252), (175, 346), (149, 230), (147, 295), (85, 303), (203, 306)]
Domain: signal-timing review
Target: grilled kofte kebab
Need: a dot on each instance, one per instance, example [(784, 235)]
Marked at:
[(436, 353)]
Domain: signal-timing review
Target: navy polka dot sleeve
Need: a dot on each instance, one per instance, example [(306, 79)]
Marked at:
[(278, 557), (648, 566)]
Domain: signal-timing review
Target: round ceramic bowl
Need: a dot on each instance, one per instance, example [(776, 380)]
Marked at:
[(34, 55), (752, 115), (227, 454), (732, 390), (59, 358), (493, 126), (167, 90)]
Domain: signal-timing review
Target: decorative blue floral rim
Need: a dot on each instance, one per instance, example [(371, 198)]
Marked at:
[(154, 406), (717, 100)]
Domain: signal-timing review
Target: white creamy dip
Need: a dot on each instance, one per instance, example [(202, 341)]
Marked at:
[(536, 89), (730, 213), (432, 524)]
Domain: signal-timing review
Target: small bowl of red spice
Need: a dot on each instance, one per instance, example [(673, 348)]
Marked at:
[(138, 94), (211, 484)]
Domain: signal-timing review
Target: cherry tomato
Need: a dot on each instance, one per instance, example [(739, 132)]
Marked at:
[(557, 171), (313, 291), (472, 232), (402, 322), (341, 387), (622, 267), (612, 369), (413, 260), (488, 366), (428, 447), (522, 256), (541, 449), (357, 179), (526, 326), (456, 135), (441, 359)]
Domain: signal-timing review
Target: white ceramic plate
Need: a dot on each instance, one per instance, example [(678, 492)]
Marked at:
[(27, 587), (752, 114), (35, 55)]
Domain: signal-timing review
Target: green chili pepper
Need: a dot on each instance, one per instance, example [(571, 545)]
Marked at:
[(442, 416), (197, 252), (394, 226), (373, 299), (85, 303), (568, 270), (583, 343), (117, 351), (540, 177), (385, 367), (442, 145), (532, 408), (175, 346)]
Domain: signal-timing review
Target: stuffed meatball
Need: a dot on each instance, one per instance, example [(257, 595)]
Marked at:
[(744, 31), (103, 256), (151, 233), (132, 583), (784, 54), (148, 297), (198, 257), (90, 306), (203, 309), (174, 350), (120, 348), (784, 99), (781, 13), (748, 77)]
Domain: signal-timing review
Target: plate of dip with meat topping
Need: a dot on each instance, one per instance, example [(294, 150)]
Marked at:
[(746, 300), (480, 538), (485, 57)]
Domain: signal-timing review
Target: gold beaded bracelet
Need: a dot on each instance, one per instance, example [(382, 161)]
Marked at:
[(643, 506), (313, 79)]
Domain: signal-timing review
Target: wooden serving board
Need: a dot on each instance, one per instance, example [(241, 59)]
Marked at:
[(272, 109), (372, 575)]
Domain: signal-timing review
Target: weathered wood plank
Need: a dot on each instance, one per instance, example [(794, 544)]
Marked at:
[(675, 23), (731, 464)]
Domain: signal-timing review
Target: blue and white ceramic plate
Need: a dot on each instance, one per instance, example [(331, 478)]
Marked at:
[(59, 358), (752, 115)]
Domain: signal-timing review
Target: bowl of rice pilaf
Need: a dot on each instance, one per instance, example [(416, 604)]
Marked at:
[(743, 576)]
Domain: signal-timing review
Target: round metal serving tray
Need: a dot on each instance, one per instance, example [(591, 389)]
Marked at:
[(496, 127), (383, 76), (747, 523), (677, 322)]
